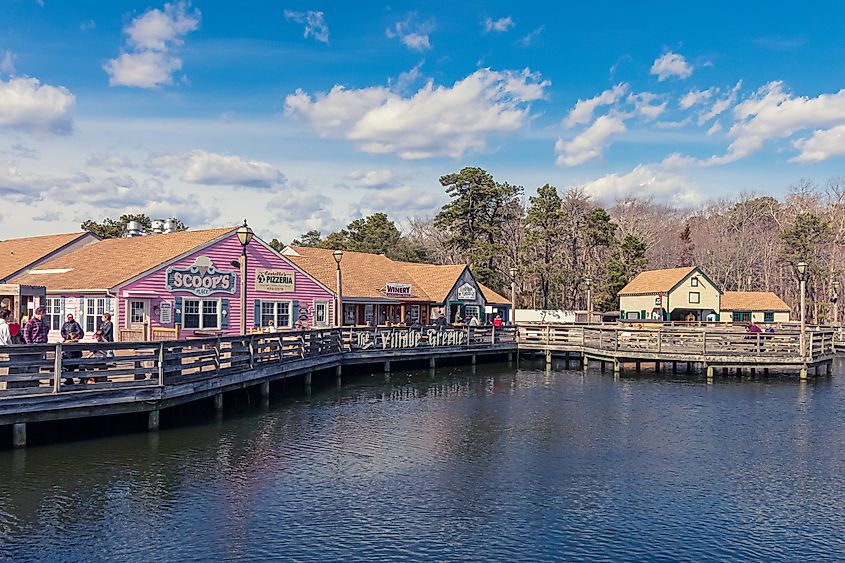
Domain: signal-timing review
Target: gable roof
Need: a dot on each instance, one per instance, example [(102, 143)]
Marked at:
[(752, 301), (21, 253), (656, 281), (437, 280), (492, 296), (110, 262)]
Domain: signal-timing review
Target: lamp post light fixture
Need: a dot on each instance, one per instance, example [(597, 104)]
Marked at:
[(245, 235), (589, 282), (512, 272), (802, 277), (338, 256), (835, 299)]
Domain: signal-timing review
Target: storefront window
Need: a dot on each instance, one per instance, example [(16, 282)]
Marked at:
[(415, 313), (768, 317), (276, 311), (368, 313), (472, 311), (202, 313), (94, 309), (53, 310), (741, 317), (349, 315)]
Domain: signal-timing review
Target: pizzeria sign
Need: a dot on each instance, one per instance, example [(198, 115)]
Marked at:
[(275, 281)]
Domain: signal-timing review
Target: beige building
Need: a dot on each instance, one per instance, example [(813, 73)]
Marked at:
[(676, 294), (754, 306)]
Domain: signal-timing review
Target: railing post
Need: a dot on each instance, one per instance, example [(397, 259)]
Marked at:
[(251, 345), (217, 354), (616, 341), (57, 369), (493, 334), (161, 364), (659, 339)]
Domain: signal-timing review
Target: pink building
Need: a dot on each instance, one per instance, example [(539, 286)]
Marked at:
[(186, 283)]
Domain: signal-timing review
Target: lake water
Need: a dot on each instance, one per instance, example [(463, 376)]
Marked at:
[(495, 465)]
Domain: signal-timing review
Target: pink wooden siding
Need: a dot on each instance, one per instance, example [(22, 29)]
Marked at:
[(221, 253), (74, 304)]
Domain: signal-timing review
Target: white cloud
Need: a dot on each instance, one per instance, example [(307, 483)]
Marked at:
[(434, 121), (151, 37), (528, 39), (212, 169), (721, 105), (7, 63), (372, 179), (499, 26), (109, 161), (411, 33), (304, 210), (590, 143), (694, 97), (671, 64), (584, 109), (28, 105), (314, 22), (644, 107), (821, 145), (646, 181), (772, 113), (715, 128), (403, 200)]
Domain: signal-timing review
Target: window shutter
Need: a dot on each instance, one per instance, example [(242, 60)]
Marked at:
[(642, 314), (224, 313), (256, 313), (108, 306), (294, 312), (61, 309), (177, 311)]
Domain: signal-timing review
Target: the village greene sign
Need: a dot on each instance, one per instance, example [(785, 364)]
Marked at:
[(200, 278), (466, 292), (411, 338)]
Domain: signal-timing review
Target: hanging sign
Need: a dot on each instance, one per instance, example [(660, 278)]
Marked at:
[(275, 281), (466, 292), (397, 289), (165, 313), (201, 278)]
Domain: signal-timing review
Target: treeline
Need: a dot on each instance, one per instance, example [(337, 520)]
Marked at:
[(557, 240)]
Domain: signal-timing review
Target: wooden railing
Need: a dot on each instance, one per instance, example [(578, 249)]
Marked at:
[(677, 341), (88, 367)]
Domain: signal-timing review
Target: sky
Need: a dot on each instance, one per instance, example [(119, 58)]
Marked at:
[(299, 115)]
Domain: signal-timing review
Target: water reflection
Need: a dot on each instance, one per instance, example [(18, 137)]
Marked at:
[(504, 465)]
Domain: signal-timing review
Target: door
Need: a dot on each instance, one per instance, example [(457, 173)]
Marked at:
[(138, 317)]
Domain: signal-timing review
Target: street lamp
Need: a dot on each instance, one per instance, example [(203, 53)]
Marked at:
[(802, 276), (835, 299), (589, 282), (245, 235), (513, 295), (338, 256)]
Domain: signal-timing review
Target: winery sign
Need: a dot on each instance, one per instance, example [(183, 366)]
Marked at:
[(274, 281), (201, 278), (397, 289)]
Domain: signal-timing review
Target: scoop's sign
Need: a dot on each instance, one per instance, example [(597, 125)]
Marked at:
[(200, 278)]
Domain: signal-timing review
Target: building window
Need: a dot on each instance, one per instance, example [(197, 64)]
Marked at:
[(694, 282), (694, 297), (415, 313), (632, 315), (368, 313), (53, 311), (321, 313), (349, 314), (276, 311), (471, 311), (768, 317), (137, 312), (94, 310), (201, 313), (741, 316)]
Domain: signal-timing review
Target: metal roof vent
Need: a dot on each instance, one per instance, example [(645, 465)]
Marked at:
[(157, 226), (134, 229), (170, 225)]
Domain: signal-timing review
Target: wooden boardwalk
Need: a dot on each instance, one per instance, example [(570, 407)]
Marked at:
[(55, 382), (709, 347)]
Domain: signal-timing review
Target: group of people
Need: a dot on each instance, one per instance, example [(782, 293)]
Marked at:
[(442, 322)]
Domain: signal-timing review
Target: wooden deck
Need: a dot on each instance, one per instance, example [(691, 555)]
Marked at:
[(710, 347), (54, 382)]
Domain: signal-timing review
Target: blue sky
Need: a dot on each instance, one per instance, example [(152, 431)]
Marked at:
[(300, 115)]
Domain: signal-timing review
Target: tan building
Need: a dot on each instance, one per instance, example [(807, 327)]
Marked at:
[(676, 294), (754, 306)]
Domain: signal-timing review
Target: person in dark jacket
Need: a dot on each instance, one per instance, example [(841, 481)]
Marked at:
[(107, 328), (37, 329), (71, 327), (441, 322)]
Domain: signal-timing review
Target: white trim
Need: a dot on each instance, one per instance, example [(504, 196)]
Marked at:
[(201, 300), (276, 302)]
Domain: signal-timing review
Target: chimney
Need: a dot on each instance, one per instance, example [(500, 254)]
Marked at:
[(134, 229), (158, 226), (170, 225)]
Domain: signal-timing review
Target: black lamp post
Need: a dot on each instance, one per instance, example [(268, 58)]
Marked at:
[(835, 300), (802, 276), (245, 235), (513, 295), (338, 256)]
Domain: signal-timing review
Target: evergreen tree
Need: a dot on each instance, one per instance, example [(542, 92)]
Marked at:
[(311, 238), (628, 261), (543, 237), (474, 220)]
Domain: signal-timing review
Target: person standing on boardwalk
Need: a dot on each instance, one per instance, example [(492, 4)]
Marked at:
[(441, 322), (5, 332), (497, 322), (473, 321), (71, 327), (36, 329), (107, 328)]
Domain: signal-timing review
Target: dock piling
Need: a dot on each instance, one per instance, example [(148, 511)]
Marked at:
[(153, 420), (264, 389), (19, 434), (218, 402)]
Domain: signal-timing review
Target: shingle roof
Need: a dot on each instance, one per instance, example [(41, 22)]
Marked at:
[(17, 254), (437, 280), (110, 262), (655, 281), (752, 301), (493, 297)]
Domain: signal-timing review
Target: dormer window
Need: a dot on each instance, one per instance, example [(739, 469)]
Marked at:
[(694, 282)]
